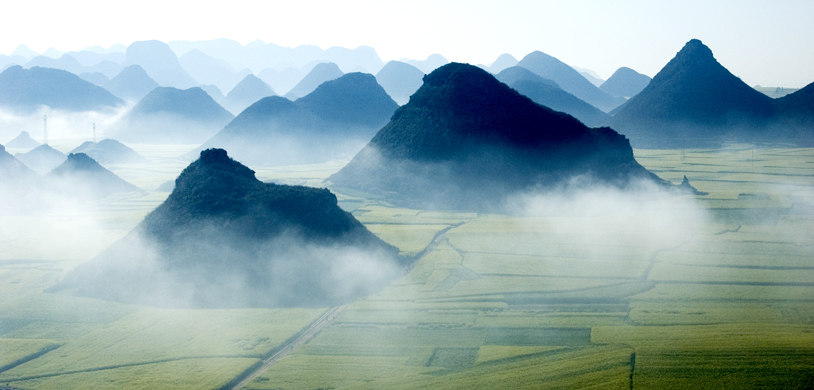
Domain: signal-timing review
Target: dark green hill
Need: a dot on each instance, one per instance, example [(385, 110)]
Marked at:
[(82, 177), (42, 159), (225, 239), (27, 89), (245, 93), (546, 93), (625, 82), (569, 80), (23, 140), (321, 73), (132, 83), (694, 100), (334, 121), (170, 115), (797, 110), (467, 141), (109, 151), (400, 80)]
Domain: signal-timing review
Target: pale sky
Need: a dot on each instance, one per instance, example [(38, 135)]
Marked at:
[(770, 43)]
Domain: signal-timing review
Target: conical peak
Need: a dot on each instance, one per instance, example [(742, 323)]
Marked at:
[(696, 51)]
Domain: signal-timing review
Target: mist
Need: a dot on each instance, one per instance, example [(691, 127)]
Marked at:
[(197, 272), (592, 216), (62, 125)]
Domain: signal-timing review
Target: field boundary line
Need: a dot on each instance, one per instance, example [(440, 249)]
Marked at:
[(285, 349), (113, 367)]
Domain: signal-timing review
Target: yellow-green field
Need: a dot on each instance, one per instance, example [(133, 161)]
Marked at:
[(588, 301)]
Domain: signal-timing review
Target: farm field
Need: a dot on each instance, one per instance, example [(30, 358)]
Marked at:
[(641, 299)]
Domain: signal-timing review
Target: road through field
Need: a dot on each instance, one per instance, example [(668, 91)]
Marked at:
[(303, 338), (325, 320)]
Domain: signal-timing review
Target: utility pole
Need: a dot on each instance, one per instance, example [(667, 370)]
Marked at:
[(45, 129)]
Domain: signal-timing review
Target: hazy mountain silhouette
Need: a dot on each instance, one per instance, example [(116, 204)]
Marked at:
[(41, 159), (400, 80), (24, 51), (569, 79), (547, 93), (467, 141), (96, 78), (160, 62), (245, 93), (13, 170), (514, 74), (281, 81), (53, 53), (334, 121), (259, 56), (209, 70), (82, 177), (625, 82), (502, 62), (6, 61), (433, 62), (89, 58), (23, 140), (132, 83), (109, 151), (170, 115), (18, 185), (350, 60), (26, 89), (214, 92), (321, 73), (65, 62), (592, 79), (694, 100), (225, 239)]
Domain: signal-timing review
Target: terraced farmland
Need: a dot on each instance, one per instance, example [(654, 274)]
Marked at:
[(613, 300)]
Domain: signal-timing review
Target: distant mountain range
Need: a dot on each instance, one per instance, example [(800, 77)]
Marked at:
[(109, 151), (245, 93), (23, 140), (569, 80), (258, 56), (400, 80), (547, 93), (319, 74), (502, 62), (333, 121), (433, 62), (160, 62), (466, 141), (41, 159), (20, 184), (81, 177), (625, 82), (170, 115), (209, 70), (132, 83), (26, 89)]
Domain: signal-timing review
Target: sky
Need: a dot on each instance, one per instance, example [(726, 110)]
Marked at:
[(768, 43)]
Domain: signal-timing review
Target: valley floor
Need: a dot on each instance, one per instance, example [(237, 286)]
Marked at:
[(695, 292)]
